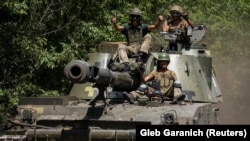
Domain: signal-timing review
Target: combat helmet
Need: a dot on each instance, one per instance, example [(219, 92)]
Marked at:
[(163, 57), (135, 12), (176, 10)]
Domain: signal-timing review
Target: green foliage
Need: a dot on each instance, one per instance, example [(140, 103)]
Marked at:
[(39, 37)]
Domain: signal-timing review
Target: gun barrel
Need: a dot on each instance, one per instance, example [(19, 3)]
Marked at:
[(79, 71)]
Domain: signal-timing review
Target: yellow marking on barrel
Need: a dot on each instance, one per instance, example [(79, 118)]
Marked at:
[(90, 91)]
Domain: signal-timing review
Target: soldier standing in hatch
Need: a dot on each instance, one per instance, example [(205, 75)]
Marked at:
[(137, 36), (177, 21), (177, 18)]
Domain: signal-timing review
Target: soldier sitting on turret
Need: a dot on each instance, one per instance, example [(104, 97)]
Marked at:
[(137, 37), (164, 83)]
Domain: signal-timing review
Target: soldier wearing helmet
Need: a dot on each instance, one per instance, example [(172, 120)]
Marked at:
[(178, 23), (165, 80), (164, 83), (177, 18), (137, 35)]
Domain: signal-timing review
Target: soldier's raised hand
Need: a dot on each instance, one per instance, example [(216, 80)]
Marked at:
[(185, 15), (160, 18), (114, 20)]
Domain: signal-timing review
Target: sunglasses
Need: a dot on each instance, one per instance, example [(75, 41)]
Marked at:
[(135, 16), (164, 62), (175, 13)]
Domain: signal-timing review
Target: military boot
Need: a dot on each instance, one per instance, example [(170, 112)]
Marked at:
[(178, 98), (129, 97), (142, 57), (178, 95)]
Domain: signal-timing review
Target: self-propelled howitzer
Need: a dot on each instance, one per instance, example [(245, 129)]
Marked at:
[(94, 108)]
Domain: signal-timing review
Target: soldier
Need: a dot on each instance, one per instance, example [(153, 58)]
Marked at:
[(137, 36), (177, 18), (164, 83), (178, 23)]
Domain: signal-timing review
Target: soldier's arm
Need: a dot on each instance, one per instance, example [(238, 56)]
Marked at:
[(188, 22), (116, 26), (157, 24), (174, 75), (150, 76), (165, 27)]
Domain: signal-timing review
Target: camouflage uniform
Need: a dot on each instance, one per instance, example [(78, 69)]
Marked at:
[(181, 24), (175, 24), (138, 94), (132, 48), (166, 85), (165, 82), (138, 38)]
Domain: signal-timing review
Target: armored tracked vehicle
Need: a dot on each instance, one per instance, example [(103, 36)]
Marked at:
[(95, 108)]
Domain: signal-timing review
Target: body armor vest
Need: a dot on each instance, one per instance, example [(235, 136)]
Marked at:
[(166, 80), (135, 35)]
